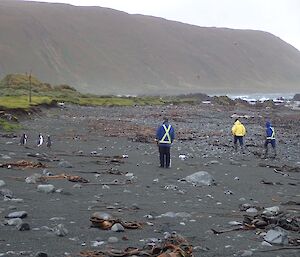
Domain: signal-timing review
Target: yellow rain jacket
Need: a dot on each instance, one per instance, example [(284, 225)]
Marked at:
[(238, 129)]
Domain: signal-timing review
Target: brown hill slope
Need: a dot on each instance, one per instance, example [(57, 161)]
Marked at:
[(102, 51)]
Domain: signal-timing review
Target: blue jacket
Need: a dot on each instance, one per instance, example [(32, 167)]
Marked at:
[(161, 135), (270, 133)]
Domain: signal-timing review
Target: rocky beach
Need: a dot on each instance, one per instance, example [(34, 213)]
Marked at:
[(103, 163)]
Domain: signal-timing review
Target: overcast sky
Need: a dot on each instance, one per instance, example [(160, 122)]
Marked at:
[(279, 17)]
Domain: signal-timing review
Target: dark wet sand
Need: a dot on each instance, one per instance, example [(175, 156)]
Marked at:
[(152, 191)]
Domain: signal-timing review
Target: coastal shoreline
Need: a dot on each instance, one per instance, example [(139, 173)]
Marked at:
[(89, 138)]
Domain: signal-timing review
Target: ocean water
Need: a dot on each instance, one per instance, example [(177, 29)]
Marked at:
[(262, 96)]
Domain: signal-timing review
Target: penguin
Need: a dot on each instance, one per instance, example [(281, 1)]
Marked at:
[(40, 140), (49, 142), (23, 139)]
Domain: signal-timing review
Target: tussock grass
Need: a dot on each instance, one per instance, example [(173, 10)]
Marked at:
[(14, 94), (8, 126), (22, 102)]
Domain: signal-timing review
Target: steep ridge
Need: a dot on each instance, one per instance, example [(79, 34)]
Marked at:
[(104, 51)]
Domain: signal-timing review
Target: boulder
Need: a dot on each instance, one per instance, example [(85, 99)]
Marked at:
[(200, 178)]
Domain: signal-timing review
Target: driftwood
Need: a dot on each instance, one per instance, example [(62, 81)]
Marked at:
[(108, 223), (23, 165), (285, 174), (270, 183), (283, 168), (291, 203), (278, 183), (279, 249), (244, 227), (174, 246), (71, 178)]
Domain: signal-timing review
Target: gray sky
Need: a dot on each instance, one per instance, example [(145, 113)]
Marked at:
[(279, 17)]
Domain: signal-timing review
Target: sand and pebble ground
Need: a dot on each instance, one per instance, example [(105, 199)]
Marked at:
[(113, 148)]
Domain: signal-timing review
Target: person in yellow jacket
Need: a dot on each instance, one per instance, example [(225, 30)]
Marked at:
[(238, 131)]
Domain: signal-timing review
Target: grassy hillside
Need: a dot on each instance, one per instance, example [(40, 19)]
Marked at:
[(15, 89), (104, 51), (19, 84)]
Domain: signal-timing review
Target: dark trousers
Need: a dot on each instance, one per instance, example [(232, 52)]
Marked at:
[(273, 144), (238, 138), (164, 156), (241, 141)]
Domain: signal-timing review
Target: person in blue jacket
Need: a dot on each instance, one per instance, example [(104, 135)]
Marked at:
[(165, 136), (270, 139)]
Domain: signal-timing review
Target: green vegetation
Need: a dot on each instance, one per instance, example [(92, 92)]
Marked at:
[(22, 102), (8, 126), (120, 101), (14, 94)]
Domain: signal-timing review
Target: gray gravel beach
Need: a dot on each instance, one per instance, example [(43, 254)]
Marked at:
[(114, 149)]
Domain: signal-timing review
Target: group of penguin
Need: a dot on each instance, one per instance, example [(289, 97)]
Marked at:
[(40, 141)]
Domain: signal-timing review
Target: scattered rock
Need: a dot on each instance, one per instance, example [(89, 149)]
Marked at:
[(101, 215), (277, 236), (77, 186), (47, 173), (251, 210), (2, 183), (117, 227), (57, 218), (46, 188), (33, 178), (14, 221), (17, 214), (270, 211), (6, 157), (59, 190), (228, 192), (23, 227), (113, 240), (6, 192), (60, 230), (182, 157), (15, 200), (200, 178), (41, 254), (246, 253), (233, 162), (97, 243), (235, 223), (65, 164)]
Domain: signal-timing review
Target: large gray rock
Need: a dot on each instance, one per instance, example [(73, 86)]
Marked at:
[(200, 178), (2, 183), (17, 214), (113, 240), (41, 254), (277, 236), (117, 227), (23, 227), (270, 211), (65, 164), (6, 192), (102, 215), (60, 230), (14, 221), (33, 178), (6, 157), (46, 188)]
